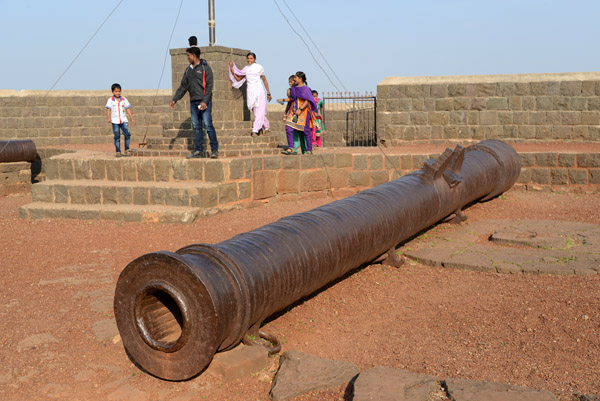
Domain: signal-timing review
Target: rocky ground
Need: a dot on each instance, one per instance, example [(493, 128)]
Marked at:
[(58, 338)]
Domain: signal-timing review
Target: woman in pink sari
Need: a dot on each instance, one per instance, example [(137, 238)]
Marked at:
[(253, 73)]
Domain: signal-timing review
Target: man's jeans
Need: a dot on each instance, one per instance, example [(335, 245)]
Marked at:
[(197, 118), (117, 131)]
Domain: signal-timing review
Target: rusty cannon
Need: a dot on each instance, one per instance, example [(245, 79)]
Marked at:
[(17, 151), (174, 311)]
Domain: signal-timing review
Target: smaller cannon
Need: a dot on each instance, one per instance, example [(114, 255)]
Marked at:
[(17, 151), (176, 310)]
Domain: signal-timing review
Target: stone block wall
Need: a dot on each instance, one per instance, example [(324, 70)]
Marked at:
[(229, 104), (526, 107), (557, 170), (336, 121), (77, 117)]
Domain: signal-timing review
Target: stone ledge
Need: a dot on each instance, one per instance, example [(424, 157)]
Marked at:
[(452, 79), (146, 214)]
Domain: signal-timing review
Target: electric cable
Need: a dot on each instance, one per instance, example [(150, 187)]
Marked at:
[(143, 143), (84, 46), (306, 44), (327, 75), (315, 45)]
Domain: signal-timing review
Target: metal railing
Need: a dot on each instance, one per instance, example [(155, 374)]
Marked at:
[(359, 113)]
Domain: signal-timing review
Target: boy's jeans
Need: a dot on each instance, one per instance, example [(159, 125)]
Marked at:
[(197, 118), (117, 131)]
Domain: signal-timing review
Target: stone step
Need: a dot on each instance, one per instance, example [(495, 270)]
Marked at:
[(87, 140), (226, 125), (188, 132), (225, 141), (223, 154), (222, 149), (102, 167), (149, 130), (105, 137), (131, 213), (90, 192)]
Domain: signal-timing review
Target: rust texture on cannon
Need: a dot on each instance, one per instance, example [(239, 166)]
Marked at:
[(17, 151), (174, 311)]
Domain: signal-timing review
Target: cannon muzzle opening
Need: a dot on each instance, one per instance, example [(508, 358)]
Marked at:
[(166, 316)]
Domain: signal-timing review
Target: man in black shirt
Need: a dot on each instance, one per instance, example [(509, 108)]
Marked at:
[(198, 81)]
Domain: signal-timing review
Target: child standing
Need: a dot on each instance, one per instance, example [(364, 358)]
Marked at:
[(318, 128), (115, 112)]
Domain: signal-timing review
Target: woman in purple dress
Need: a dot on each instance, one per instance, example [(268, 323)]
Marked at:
[(301, 117)]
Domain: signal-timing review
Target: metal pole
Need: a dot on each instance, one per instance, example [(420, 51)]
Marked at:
[(211, 23)]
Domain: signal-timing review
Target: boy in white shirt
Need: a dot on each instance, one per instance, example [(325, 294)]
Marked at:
[(115, 112)]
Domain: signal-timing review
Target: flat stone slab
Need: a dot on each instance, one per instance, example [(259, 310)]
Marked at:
[(505, 246), (239, 362), (387, 384), (301, 373), (471, 390)]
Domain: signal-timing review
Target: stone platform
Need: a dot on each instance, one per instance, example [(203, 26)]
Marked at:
[(503, 246), (167, 187)]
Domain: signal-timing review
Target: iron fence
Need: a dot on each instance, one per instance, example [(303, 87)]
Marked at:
[(358, 112)]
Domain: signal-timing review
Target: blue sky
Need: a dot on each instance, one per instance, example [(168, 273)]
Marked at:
[(363, 42)]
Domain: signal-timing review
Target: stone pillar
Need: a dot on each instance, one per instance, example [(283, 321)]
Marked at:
[(228, 102)]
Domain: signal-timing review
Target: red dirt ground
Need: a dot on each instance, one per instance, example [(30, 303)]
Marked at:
[(57, 334), (59, 277)]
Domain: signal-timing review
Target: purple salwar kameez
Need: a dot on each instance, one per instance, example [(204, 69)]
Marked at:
[(301, 93)]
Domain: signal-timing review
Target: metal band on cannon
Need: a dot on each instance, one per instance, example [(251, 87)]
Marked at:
[(176, 310)]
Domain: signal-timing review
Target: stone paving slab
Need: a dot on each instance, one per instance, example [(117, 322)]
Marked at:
[(239, 362), (301, 373), (386, 384), (471, 390), (504, 246)]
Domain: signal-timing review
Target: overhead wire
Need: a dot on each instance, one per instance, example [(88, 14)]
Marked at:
[(163, 67), (315, 45), (169, 44), (78, 54), (84, 46), (386, 157), (306, 44)]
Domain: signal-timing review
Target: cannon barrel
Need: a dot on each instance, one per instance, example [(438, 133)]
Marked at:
[(17, 151), (174, 311)]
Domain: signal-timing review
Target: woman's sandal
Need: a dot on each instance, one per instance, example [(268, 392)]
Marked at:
[(253, 134), (289, 151)]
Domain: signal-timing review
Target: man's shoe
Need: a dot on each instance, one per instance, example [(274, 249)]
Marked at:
[(214, 155), (118, 154), (195, 154)]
